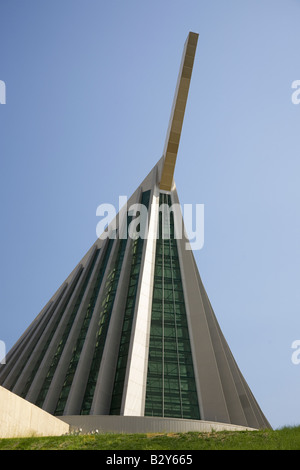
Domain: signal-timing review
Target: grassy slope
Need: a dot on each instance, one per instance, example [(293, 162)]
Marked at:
[(283, 439)]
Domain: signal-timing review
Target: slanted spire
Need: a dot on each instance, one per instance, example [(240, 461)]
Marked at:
[(177, 113)]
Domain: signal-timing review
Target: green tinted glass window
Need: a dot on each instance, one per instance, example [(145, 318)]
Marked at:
[(171, 389), (137, 251)]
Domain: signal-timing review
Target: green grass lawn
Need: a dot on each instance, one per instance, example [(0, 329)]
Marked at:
[(283, 439)]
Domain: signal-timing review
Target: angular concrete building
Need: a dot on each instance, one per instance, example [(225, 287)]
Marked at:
[(130, 340)]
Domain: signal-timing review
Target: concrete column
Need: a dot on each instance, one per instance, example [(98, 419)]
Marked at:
[(133, 403), (17, 350), (46, 362), (34, 338), (208, 382), (40, 336), (105, 382), (64, 361), (76, 394), (19, 346)]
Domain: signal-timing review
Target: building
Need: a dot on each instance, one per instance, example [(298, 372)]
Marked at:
[(131, 337)]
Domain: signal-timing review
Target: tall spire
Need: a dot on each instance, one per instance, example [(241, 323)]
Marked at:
[(177, 113)]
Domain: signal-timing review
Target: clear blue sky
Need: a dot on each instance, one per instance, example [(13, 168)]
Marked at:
[(90, 85)]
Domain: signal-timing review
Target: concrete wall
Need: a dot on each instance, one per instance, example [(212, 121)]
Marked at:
[(19, 418), (142, 424)]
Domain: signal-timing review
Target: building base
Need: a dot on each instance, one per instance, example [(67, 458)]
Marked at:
[(141, 424)]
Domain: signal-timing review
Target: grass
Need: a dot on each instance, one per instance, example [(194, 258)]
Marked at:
[(287, 438)]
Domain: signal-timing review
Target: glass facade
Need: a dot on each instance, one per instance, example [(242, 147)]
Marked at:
[(137, 251), (46, 344), (82, 335), (104, 319), (171, 389), (60, 348)]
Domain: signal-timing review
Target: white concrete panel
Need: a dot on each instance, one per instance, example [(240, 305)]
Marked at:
[(136, 385), (20, 418)]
